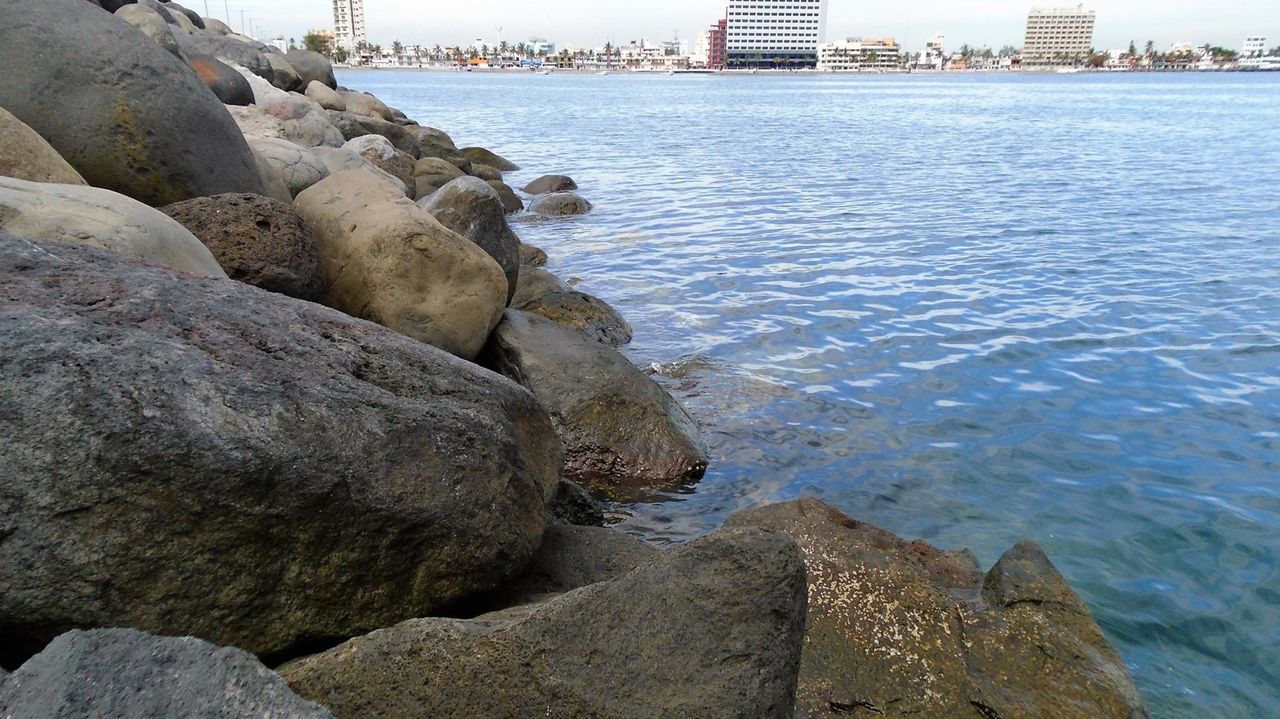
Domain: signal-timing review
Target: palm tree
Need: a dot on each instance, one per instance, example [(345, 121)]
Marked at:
[(608, 54), (396, 48), (1151, 49)]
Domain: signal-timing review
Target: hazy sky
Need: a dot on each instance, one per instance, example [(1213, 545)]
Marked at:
[(588, 23)]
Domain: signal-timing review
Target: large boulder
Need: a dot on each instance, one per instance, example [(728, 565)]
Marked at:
[(547, 184), (542, 293), (902, 629), (471, 208), (272, 179), (325, 97), (511, 202), (191, 15), (340, 159), (312, 67), (127, 673), (484, 172), (352, 126), (360, 103), (434, 143), (131, 118), (228, 49), (531, 256), (620, 429), (560, 204), (27, 156), (255, 123), (92, 216), (300, 166), (389, 261), (229, 85), (487, 157), (152, 24), (217, 27), (257, 240), (432, 173), (305, 122), (264, 93), (283, 75), (199, 457), (712, 630), (379, 151)]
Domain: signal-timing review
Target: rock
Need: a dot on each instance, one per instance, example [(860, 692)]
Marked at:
[(542, 293), (133, 119), (711, 629), (257, 240), (389, 261), (255, 123), (299, 166), (531, 256), (352, 126), (432, 173), (903, 629), (619, 428), (571, 504), (484, 172), (229, 85), (150, 23), (229, 50), (196, 20), (200, 457), (359, 103), (560, 204), (325, 97), (338, 159), (218, 27), (312, 67), (283, 75), (471, 208), (379, 152), (548, 184), (511, 202), (26, 156), (434, 143), (272, 179), (264, 93), (101, 218), (171, 15), (485, 157), (304, 122), (127, 673)]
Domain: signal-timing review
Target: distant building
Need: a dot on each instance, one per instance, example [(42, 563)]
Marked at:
[(1255, 46), (279, 43), (774, 33), (860, 55), (716, 44), (539, 46), (1058, 37), (348, 23), (933, 56)]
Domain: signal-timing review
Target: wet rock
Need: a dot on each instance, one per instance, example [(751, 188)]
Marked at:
[(91, 216), (312, 67), (486, 157), (511, 202), (484, 172), (542, 293), (560, 204), (199, 457), (299, 166), (389, 261), (711, 629), (257, 240), (325, 97), (152, 24), (229, 85), (619, 428), (26, 156), (432, 173), (531, 256), (548, 184), (471, 208), (571, 504), (127, 673), (381, 154), (352, 125), (133, 119), (903, 629)]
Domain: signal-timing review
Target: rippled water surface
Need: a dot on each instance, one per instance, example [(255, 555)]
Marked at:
[(968, 309)]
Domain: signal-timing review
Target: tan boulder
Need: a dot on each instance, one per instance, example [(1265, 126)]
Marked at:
[(327, 97), (27, 156)]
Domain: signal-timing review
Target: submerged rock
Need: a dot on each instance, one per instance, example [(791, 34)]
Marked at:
[(902, 629), (547, 184), (471, 208), (560, 204), (127, 673), (542, 293), (712, 629), (27, 156), (199, 457)]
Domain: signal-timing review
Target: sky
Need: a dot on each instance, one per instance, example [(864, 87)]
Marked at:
[(589, 23)]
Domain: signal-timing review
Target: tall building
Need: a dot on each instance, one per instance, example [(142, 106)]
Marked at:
[(716, 45), (1058, 37), (774, 33), (348, 23), (1255, 46)]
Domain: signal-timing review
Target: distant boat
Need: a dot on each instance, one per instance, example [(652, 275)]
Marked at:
[(544, 72), (1068, 70), (670, 73), (602, 73)]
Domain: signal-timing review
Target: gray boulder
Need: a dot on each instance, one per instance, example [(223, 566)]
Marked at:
[(560, 204), (127, 673), (160, 9), (325, 97), (352, 126), (229, 49), (26, 156), (272, 179), (133, 118), (432, 173), (571, 504), (151, 24), (381, 154), (312, 67), (299, 166), (304, 121), (217, 27), (620, 429), (255, 123), (542, 293), (191, 15), (230, 87), (487, 157), (471, 208), (511, 202), (547, 184), (191, 456), (434, 143), (283, 75), (902, 629), (710, 630), (484, 172)]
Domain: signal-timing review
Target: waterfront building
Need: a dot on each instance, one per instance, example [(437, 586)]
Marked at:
[(348, 24), (716, 44), (1255, 46), (933, 57), (279, 43), (539, 46), (774, 33), (860, 55), (1058, 37)]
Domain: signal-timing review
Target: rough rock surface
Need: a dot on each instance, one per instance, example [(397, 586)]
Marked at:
[(360, 103), (312, 67), (325, 96), (230, 49), (102, 218), (903, 629), (388, 260), (542, 293), (571, 504), (133, 118), (191, 456), (229, 85), (272, 179), (379, 151), (255, 123), (257, 240), (711, 629), (486, 157), (471, 208), (127, 673), (560, 204), (511, 202), (152, 24), (432, 173), (217, 27), (26, 156), (484, 172), (619, 428), (352, 125), (547, 184), (338, 159), (531, 256), (283, 75), (299, 166), (304, 121), (433, 142)]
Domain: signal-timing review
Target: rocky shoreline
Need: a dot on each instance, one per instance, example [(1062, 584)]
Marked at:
[(293, 424)]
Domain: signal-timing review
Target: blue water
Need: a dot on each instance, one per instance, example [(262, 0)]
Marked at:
[(969, 309)]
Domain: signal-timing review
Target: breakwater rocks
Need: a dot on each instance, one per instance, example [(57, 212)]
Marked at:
[(280, 386)]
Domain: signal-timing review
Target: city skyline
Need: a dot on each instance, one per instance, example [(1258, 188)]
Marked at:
[(582, 23)]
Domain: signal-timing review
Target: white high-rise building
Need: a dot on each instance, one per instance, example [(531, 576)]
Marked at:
[(1058, 37), (1255, 46), (348, 23), (775, 33)]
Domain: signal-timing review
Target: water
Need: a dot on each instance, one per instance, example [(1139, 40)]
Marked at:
[(969, 309)]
